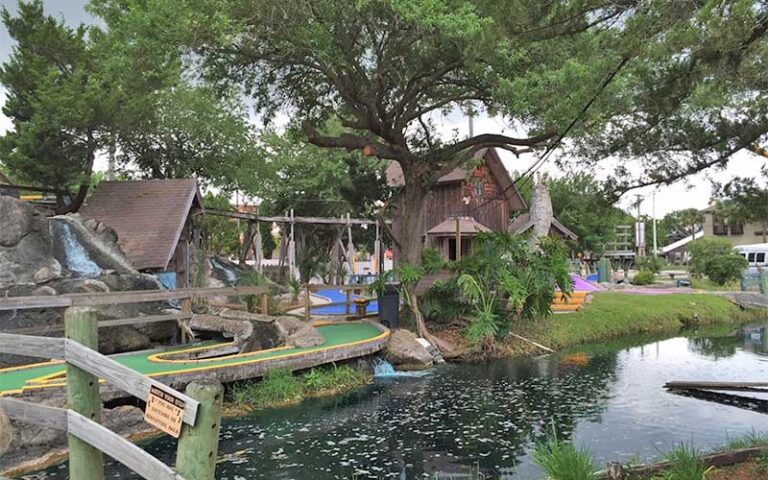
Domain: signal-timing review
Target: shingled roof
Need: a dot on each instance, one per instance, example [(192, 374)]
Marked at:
[(148, 216)]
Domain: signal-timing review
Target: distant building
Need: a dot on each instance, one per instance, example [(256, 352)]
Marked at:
[(152, 219), (481, 199), (677, 252), (739, 233)]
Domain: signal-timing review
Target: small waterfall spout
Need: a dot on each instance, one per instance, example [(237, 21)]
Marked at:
[(384, 369), (76, 258)]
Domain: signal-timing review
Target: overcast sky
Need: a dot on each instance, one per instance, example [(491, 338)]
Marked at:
[(693, 192)]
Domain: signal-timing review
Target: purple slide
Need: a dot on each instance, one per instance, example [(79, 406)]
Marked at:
[(581, 285)]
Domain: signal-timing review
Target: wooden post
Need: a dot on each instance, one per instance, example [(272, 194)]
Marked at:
[(348, 300), (85, 461), (186, 309), (198, 446), (264, 304), (458, 239), (307, 304)]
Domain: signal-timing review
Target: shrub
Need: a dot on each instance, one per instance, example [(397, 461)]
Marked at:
[(650, 263), (278, 387), (644, 277), (706, 248), (725, 268), (563, 461)]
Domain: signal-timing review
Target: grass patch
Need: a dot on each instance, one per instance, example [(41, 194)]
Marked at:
[(686, 464), (281, 387), (612, 315), (563, 461), (707, 284), (750, 440)]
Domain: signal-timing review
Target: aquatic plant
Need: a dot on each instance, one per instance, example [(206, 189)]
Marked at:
[(281, 387), (561, 460)]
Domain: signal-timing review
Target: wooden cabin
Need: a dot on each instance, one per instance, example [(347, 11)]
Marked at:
[(153, 222), (480, 199)]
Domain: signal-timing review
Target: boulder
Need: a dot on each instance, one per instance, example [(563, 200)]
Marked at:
[(25, 243), (404, 349), (305, 337), (288, 325), (52, 271)]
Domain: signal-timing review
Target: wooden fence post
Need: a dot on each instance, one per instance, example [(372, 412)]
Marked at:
[(198, 446), (307, 304), (348, 301), (265, 303), (85, 462), (186, 309)]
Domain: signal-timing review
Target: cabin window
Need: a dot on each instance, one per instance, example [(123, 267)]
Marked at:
[(760, 257), (478, 187), (737, 228), (719, 227)]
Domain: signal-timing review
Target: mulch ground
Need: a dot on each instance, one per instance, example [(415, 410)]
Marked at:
[(742, 471)]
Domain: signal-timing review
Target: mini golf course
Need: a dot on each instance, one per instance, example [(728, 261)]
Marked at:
[(342, 341)]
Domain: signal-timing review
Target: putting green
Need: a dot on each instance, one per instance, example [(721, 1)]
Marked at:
[(50, 374)]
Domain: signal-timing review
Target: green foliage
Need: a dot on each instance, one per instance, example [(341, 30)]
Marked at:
[(443, 303), (581, 203), (750, 440), (561, 460), (650, 263), (523, 278), (58, 99), (746, 200), (483, 326), (681, 224), (220, 235), (686, 464), (644, 277), (705, 248), (432, 260), (725, 268), (280, 386)]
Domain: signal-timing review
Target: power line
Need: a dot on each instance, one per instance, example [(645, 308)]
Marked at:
[(528, 173)]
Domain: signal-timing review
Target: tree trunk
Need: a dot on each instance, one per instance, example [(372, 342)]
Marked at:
[(765, 230), (410, 232)]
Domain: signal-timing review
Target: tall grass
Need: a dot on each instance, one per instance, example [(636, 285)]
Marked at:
[(686, 464), (281, 387), (751, 439), (563, 461)]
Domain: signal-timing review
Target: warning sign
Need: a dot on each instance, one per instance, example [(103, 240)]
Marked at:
[(164, 411)]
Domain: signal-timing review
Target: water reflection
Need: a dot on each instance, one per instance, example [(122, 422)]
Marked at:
[(607, 396)]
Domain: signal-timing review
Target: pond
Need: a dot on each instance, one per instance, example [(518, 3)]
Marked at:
[(608, 397)]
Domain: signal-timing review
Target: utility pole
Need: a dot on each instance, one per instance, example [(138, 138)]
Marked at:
[(655, 243), (639, 229)]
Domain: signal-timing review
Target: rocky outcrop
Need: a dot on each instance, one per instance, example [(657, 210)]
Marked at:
[(25, 244), (305, 337), (405, 351), (87, 247)]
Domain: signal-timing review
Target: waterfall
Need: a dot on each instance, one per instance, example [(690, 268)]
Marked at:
[(384, 369), (76, 258), (228, 273)]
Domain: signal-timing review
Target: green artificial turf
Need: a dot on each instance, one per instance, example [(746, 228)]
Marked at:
[(335, 335)]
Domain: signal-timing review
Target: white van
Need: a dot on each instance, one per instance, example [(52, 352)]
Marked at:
[(756, 254)]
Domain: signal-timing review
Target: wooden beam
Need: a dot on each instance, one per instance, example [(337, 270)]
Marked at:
[(147, 319), (289, 219), (123, 377), (36, 414), (109, 298), (715, 385), (119, 448), (198, 446), (31, 346)]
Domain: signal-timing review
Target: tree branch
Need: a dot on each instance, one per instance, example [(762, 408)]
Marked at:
[(351, 142), (487, 139)]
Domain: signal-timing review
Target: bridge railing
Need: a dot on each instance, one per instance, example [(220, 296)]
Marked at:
[(202, 404)]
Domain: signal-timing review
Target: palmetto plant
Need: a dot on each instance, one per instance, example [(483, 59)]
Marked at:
[(483, 325)]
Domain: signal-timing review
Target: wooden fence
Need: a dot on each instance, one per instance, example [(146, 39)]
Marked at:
[(87, 438)]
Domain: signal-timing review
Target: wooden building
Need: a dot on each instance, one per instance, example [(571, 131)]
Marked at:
[(153, 222), (482, 199)]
